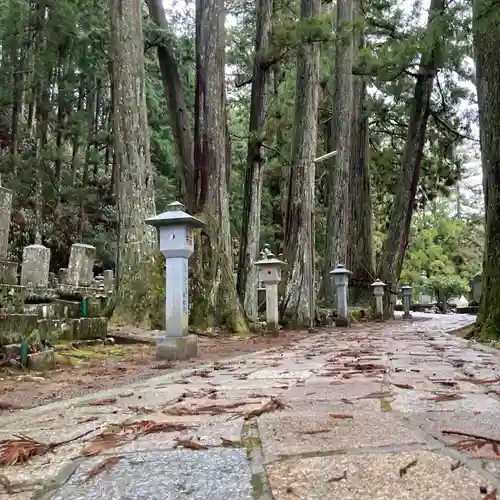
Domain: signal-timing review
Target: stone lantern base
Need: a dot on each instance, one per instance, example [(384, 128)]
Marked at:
[(176, 348)]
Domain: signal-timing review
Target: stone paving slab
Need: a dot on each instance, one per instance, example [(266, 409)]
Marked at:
[(418, 401), (172, 475), (284, 435), (299, 443), (375, 477)]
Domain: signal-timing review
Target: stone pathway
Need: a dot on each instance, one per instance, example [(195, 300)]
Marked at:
[(363, 418)]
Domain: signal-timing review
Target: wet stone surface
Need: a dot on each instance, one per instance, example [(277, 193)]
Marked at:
[(365, 401), (174, 475)]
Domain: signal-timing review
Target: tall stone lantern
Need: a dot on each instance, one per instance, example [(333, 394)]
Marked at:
[(378, 288), (175, 228), (270, 274), (406, 289), (341, 280)]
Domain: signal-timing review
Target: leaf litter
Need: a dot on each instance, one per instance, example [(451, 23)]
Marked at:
[(21, 448), (117, 435)]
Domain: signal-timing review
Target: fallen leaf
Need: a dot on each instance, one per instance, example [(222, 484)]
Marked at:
[(190, 444), (404, 470), (21, 448), (340, 416), (271, 406), (336, 479), (117, 435), (377, 395), (445, 397), (403, 386), (181, 381), (141, 409), (202, 374), (227, 443), (492, 495), (102, 402), (105, 465), (480, 381), (346, 401), (316, 431), (88, 419)]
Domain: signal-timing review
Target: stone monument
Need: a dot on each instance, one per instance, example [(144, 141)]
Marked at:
[(341, 280), (175, 228), (81, 265), (35, 267), (270, 275)]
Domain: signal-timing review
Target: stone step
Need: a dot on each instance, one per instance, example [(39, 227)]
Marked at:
[(61, 309), (14, 328)]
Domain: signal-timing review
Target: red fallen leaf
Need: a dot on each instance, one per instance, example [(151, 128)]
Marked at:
[(445, 397), (102, 402), (403, 386), (492, 495), (340, 416), (189, 444)]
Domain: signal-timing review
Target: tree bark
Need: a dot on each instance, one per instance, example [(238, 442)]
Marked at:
[(213, 285), (250, 231), (359, 242), (337, 183), (296, 305), (174, 94), (486, 32), (396, 242), (137, 241)]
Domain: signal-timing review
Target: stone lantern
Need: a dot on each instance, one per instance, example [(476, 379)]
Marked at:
[(270, 275), (378, 288), (341, 280), (406, 289), (175, 228)]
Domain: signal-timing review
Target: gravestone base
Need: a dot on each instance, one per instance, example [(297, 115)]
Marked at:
[(176, 348)]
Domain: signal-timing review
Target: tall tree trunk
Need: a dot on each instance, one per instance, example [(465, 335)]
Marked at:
[(298, 283), (359, 242), (337, 184), (137, 242), (174, 94), (250, 231), (396, 242), (214, 288), (486, 30)]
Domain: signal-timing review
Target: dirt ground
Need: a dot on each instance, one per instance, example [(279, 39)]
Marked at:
[(93, 368)]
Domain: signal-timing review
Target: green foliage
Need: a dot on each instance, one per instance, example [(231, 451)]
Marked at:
[(448, 249)]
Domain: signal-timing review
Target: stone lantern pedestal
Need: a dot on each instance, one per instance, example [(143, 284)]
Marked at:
[(175, 229)]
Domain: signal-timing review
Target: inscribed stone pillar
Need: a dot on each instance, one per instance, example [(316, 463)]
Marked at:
[(81, 264), (5, 212), (35, 268)]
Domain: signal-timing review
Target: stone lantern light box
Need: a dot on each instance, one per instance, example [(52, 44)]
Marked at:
[(175, 228)]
